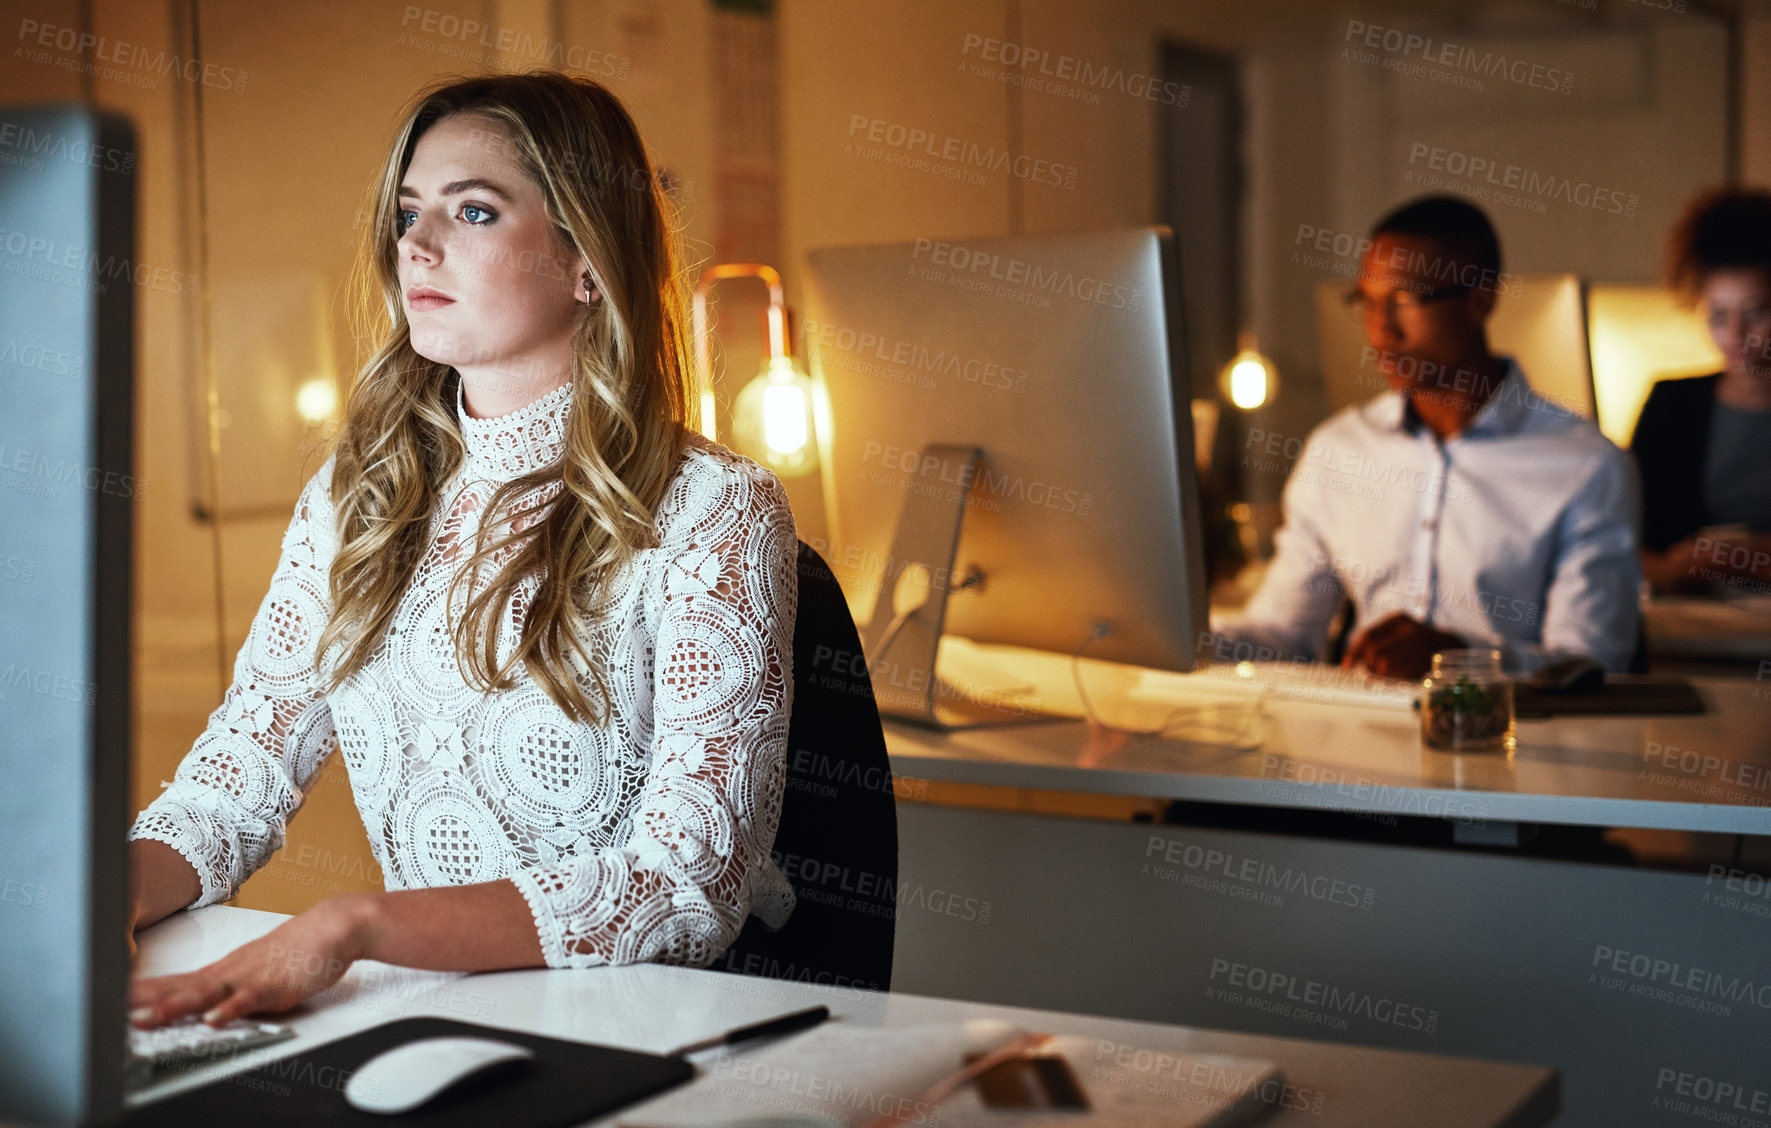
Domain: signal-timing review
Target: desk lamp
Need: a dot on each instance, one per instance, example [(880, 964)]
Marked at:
[(772, 415)]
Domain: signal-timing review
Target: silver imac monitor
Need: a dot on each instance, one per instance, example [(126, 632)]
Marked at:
[(1007, 448), (66, 308)]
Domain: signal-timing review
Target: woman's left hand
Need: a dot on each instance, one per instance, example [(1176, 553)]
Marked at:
[(301, 957)]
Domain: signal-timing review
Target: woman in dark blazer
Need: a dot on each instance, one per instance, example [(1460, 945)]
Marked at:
[(1703, 445)]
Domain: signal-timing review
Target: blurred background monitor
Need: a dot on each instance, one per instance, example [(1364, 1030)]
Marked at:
[(1540, 321), (1057, 362), (66, 512), (1641, 334)]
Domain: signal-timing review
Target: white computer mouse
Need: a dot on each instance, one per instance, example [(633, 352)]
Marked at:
[(401, 1079)]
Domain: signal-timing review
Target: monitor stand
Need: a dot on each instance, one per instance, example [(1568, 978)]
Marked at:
[(902, 640)]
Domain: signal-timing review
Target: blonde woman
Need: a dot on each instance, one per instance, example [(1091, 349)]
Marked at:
[(546, 624)]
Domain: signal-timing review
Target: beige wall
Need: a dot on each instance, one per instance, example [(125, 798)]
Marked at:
[(175, 668), (286, 162), (1755, 99), (1328, 139)]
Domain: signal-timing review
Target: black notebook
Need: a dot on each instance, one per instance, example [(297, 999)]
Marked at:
[(566, 1083), (1617, 698)]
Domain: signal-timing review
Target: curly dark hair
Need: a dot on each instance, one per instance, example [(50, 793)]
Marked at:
[(1724, 229)]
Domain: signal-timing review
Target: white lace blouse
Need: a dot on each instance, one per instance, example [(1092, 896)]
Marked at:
[(645, 838)]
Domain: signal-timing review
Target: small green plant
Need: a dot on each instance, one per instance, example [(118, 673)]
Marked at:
[(1463, 696), (1467, 715)]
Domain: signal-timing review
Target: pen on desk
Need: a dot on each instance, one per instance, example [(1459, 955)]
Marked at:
[(785, 1024)]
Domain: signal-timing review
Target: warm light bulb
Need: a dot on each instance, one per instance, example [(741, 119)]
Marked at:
[(316, 400), (1248, 382), (772, 419), (784, 418)]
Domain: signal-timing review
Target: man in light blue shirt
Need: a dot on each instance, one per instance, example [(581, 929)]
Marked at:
[(1459, 508)]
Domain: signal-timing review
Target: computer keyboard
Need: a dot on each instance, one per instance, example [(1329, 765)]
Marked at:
[(1327, 685), (191, 1040)]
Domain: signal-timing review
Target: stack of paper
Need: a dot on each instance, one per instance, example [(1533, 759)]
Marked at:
[(845, 1076)]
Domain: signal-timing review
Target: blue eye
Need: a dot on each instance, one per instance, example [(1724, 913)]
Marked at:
[(404, 219)]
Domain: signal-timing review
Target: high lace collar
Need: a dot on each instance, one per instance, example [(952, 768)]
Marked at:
[(517, 442)]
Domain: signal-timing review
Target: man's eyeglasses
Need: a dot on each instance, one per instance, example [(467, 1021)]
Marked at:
[(1401, 301)]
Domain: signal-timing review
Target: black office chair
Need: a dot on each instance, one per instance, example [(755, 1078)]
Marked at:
[(1340, 632), (1639, 655), (838, 837)]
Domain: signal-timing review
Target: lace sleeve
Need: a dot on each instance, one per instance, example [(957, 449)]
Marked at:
[(697, 860), (234, 791)]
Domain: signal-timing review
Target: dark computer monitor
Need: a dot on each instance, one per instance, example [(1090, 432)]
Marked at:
[(67, 496), (1007, 444)]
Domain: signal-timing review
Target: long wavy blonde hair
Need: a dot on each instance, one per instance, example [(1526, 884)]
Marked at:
[(631, 400)]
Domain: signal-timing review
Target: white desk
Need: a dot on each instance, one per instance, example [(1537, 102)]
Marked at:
[(1710, 772), (1508, 948), (1706, 629), (654, 1008)]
